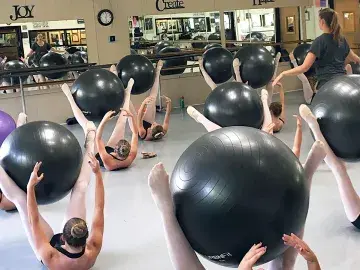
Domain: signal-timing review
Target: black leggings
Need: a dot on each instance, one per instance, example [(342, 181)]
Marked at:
[(356, 223)]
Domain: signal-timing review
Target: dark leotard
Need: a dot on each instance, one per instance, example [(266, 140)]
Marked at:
[(356, 223), (146, 126), (109, 150), (1, 195)]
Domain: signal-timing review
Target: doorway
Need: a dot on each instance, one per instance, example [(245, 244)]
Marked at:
[(11, 44)]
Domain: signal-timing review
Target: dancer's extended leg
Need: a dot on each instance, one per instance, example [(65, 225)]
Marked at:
[(198, 117)]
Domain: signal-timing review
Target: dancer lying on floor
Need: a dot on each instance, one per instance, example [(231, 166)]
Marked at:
[(76, 248), (5, 203), (183, 256), (149, 130), (348, 194), (118, 153)]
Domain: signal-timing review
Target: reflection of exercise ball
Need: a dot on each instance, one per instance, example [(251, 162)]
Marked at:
[(257, 65), (229, 193), (79, 57), (174, 62), (161, 45), (31, 60), (300, 54), (234, 104), (199, 45), (259, 36), (12, 66), (7, 125), (355, 68), (98, 91), (50, 143), (140, 69), (212, 45), (218, 64), (214, 36), (336, 106), (52, 59)]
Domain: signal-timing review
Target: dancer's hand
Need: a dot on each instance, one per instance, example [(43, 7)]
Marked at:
[(167, 100), (252, 257), (298, 120), (270, 128), (34, 178), (159, 65), (278, 79), (301, 247), (292, 57), (94, 163), (149, 100), (126, 112), (109, 115)]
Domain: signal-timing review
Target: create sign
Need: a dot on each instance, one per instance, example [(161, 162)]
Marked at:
[(162, 5)]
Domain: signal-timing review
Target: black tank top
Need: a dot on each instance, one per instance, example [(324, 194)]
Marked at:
[(56, 242)]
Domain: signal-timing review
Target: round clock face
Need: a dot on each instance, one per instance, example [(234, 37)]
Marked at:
[(106, 17)]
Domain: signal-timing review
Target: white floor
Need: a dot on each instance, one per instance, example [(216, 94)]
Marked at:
[(134, 236)]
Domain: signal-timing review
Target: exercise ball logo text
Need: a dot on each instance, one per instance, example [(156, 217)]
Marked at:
[(220, 257), (162, 5)]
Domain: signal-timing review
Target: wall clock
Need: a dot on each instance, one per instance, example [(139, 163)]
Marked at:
[(105, 17)]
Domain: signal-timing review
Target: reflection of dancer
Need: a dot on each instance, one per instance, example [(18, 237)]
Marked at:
[(149, 130), (348, 194), (181, 253), (76, 247)]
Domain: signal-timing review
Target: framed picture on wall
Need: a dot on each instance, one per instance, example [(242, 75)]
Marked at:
[(149, 24), (161, 26), (290, 24), (349, 21), (172, 26)]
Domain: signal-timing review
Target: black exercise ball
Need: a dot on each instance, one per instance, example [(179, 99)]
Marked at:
[(355, 68), (55, 146), (235, 187), (212, 45), (52, 59), (218, 64), (98, 91), (161, 45), (256, 35), (79, 57), (12, 66), (214, 36), (257, 65), (336, 106), (174, 62), (300, 54), (140, 69), (199, 45), (234, 104)]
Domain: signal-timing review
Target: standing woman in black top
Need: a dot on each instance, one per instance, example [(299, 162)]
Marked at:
[(39, 49), (330, 52)]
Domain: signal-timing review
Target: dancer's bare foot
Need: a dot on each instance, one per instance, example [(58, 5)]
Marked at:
[(21, 119), (159, 65), (160, 189), (66, 89), (193, 113), (307, 115), (90, 133), (264, 95), (201, 63), (236, 63), (130, 86), (113, 70)]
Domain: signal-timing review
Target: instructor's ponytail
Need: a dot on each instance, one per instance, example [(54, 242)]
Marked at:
[(331, 19)]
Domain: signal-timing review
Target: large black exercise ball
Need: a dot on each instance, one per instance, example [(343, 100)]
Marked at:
[(140, 69), (161, 45), (214, 36), (52, 59), (179, 61), (337, 108), (257, 65), (235, 187), (256, 35), (55, 146), (234, 104), (199, 45), (218, 64), (12, 66), (98, 91), (355, 68), (212, 45), (79, 57), (300, 53)]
